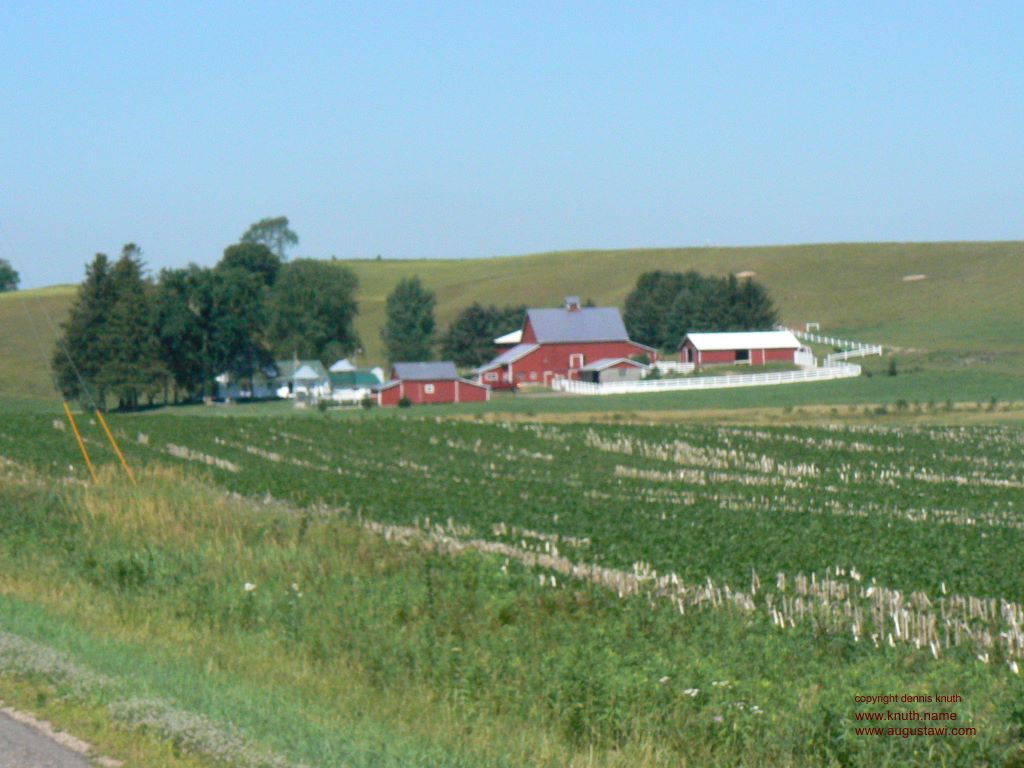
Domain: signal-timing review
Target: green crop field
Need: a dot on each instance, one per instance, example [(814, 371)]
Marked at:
[(962, 322), (542, 594)]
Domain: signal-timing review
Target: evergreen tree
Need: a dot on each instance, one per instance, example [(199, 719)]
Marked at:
[(665, 306), (84, 344), (757, 310), (133, 367), (470, 338), (408, 333), (313, 308)]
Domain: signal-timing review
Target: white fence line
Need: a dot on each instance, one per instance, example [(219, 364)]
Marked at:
[(850, 349), (851, 353), (838, 371), (672, 366), (845, 344)]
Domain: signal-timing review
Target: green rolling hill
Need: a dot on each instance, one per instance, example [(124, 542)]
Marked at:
[(966, 309)]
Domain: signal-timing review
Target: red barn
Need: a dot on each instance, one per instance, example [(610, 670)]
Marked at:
[(425, 383), (560, 342), (753, 347)]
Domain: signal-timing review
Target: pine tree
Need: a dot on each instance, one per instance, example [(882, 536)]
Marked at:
[(408, 333), (84, 344), (470, 338), (133, 367)]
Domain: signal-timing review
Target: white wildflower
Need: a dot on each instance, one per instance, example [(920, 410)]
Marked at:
[(249, 586)]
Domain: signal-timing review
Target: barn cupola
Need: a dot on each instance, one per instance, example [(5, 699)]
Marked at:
[(572, 303)]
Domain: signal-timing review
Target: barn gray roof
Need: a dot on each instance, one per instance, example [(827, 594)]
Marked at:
[(583, 324), (444, 370), (509, 356), (608, 362)]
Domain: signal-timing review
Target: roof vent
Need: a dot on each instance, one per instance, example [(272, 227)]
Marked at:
[(572, 303)]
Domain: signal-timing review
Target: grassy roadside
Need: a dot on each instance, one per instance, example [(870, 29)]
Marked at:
[(348, 649), (106, 736)]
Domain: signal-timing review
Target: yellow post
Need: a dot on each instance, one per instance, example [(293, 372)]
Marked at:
[(113, 442), (81, 443)]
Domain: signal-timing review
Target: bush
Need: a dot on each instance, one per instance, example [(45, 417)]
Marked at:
[(405, 402), (892, 367), (367, 402), (322, 405)]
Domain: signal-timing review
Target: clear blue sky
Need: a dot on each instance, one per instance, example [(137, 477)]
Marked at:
[(420, 130)]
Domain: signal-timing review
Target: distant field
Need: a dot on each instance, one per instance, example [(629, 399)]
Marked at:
[(27, 322), (966, 314)]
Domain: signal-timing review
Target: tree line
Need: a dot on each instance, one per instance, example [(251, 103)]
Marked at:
[(665, 306), (133, 339)]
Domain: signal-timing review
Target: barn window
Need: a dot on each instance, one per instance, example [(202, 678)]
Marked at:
[(428, 388), (490, 376), (576, 360), (533, 375), (742, 355)]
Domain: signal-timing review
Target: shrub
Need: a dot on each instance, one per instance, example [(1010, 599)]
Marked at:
[(891, 370), (367, 402), (405, 402)]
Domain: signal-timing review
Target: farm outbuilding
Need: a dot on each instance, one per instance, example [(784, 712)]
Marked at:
[(613, 369), (561, 342), (425, 383), (741, 347)]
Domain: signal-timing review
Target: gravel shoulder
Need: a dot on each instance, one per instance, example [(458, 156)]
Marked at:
[(29, 743)]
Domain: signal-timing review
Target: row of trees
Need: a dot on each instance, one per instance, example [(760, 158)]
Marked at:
[(131, 338), (665, 306), (410, 331)]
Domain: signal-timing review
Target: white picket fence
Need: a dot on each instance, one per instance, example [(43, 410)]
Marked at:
[(673, 366), (850, 349), (836, 357), (835, 371)]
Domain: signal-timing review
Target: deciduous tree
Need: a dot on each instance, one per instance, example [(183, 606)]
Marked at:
[(313, 307), (9, 277), (273, 233)]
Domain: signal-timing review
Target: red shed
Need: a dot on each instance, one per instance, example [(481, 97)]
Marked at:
[(425, 383), (752, 347), (560, 342)]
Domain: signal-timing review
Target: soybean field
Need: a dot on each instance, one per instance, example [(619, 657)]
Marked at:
[(628, 594), (888, 534)]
